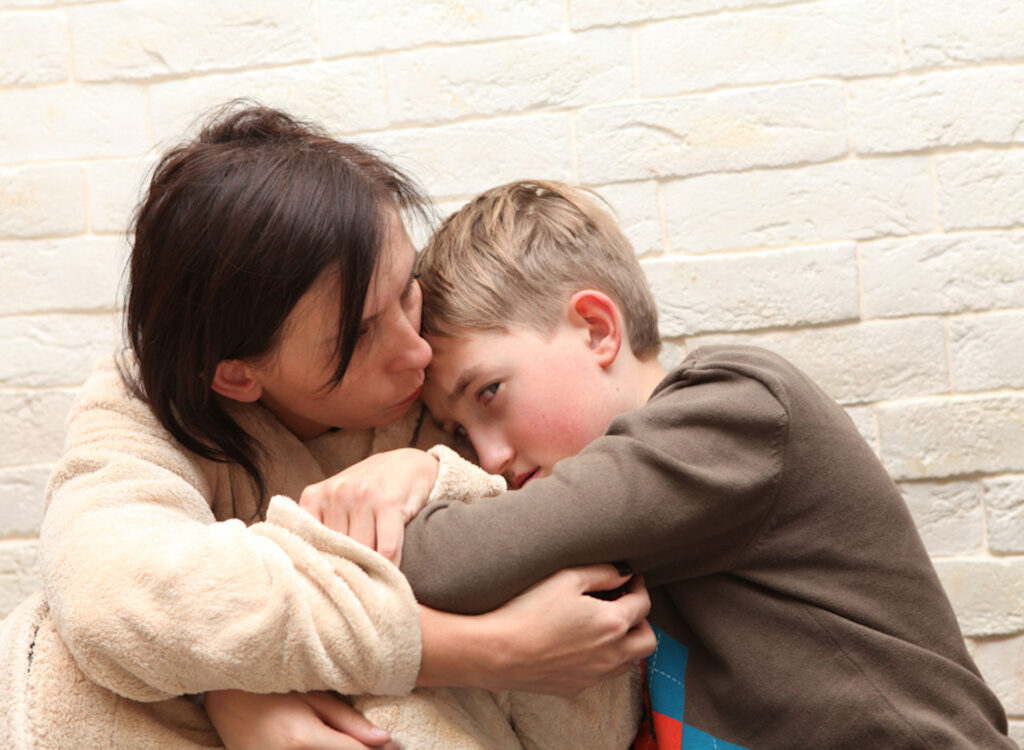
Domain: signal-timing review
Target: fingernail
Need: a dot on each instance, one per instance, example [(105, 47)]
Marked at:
[(623, 568)]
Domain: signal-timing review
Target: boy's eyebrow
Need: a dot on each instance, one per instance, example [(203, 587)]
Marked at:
[(462, 383)]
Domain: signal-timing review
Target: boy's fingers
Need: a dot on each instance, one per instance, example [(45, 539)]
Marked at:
[(341, 716)]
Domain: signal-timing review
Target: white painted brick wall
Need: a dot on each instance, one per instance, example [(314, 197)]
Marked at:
[(839, 180)]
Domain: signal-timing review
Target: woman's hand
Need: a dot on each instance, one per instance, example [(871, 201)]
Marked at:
[(293, 721), (553, 638), (371, 501)]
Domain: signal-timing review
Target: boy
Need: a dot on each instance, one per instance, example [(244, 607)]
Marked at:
[(794, 602)]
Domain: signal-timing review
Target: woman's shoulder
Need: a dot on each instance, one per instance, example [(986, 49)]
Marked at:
[(108, 392)]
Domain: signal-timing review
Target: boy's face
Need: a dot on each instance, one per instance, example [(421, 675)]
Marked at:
[(525, 401)]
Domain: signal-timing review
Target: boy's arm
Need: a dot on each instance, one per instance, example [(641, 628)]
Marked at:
[(675, 489)]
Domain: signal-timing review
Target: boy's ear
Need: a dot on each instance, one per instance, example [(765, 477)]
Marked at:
[(236, 380), (600, 315)]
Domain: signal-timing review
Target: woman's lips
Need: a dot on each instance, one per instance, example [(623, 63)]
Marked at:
[(415, 395)]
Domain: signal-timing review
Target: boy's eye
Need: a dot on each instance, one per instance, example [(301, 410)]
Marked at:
[(458, 430), (487, 393)]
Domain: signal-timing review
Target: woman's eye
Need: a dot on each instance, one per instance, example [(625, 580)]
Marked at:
[(364, 334), (488, 392), (411, 293)]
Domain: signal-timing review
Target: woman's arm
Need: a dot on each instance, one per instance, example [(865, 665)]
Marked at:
[(552, 639), (155, 598)]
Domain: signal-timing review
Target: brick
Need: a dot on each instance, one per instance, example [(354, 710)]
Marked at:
[(1004, 511), (671, 355), (912, 113), (841, 38), (73, 122), (343, 96), (948, 515), (115, 189), (961, 32), (136, 39), (32, 425), (45, 60), (754, 290), (586, 13), (987, 595), (61, 274), (942, 274), (467, 158), (1001, 662), (21, 497), (20, 575), (396, 24), (712, 133), (843, 200), (953, 436), (41, 201), (1016, 730), (54, 350), (981, 188), (635, 207), (863, 362), (987, 350), (555, 70)]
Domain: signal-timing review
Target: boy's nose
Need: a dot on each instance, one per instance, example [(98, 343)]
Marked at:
[(495, 456)]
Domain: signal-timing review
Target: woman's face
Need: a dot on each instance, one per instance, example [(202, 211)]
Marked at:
[(385, 374)]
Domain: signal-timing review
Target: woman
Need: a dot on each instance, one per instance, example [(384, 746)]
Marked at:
[(273, 322)]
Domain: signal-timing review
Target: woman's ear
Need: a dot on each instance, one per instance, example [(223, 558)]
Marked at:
[(600, 315), (236, 380)]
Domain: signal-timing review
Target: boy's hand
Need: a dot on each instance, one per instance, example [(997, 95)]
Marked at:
[(371, 501)]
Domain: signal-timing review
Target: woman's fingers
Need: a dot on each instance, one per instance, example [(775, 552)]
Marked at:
[(341, 717), (362, 524), (291, 721), (599, 577), (391, 534)]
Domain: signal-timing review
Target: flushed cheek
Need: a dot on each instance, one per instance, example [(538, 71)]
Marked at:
[(558, 434)]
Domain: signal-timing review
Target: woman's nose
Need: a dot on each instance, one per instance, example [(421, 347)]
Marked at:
[(412, 352)]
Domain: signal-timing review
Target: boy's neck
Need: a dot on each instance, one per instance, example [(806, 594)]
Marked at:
[(649, 374), (636, 381)]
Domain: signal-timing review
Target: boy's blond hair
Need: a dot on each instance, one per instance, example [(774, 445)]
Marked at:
[(516, 253)]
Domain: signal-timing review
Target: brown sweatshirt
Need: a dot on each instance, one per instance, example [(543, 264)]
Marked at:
[(782, 563)]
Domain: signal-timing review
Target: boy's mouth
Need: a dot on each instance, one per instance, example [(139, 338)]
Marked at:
[(521, 479)]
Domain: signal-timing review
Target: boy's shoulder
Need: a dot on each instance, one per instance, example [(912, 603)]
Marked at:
[(707, 363)]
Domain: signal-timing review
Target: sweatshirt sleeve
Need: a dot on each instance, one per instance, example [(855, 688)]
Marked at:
[(154, 598), (677, 489)]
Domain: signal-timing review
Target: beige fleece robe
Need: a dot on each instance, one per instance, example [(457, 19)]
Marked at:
[(154, 588)]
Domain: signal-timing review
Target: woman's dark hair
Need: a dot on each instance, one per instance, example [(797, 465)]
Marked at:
[(236, 226)]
